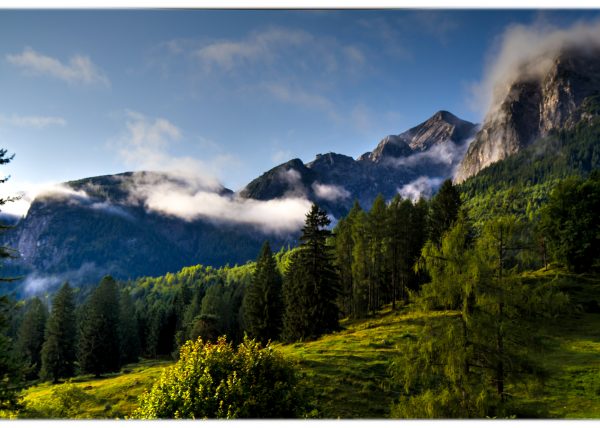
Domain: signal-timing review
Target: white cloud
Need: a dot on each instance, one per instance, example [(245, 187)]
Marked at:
[(189, 201), (190, 189), (38, 122), (261, 46), (301, 97), (528, 51), (28, 192), (36, 283), (145, 145), (422, 187), (330, 192), (80, 69), (446, 153)]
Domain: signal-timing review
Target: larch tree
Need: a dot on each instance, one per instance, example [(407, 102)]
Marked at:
[(466, 361)]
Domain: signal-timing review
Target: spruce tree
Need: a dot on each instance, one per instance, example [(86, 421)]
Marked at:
[(262, 307), (128, 329), (445, 206), (361, 268), (99, 347), (31, 336), (344, 247), (377, 234), (10, 369), (311, 285), (59, 349)]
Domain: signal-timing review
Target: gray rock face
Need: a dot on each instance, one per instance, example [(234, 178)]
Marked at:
[(432, 148), (532, 108), (438, 129)]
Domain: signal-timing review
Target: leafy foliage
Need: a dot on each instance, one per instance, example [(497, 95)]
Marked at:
[(215, 380), (571, 221)]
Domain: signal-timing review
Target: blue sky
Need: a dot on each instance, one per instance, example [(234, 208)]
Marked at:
[(232, 93)]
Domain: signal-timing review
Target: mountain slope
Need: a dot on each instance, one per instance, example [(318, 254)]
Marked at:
[(533, 107), (432, 148)]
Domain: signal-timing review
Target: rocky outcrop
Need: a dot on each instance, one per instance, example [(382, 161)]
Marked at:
[(432, 148), (532, 108)]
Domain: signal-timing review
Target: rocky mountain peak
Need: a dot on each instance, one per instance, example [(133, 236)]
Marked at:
[(443, 126), (534, 105)]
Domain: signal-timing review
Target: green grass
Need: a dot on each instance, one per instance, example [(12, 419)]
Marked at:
[(111, 396), (348, 369)]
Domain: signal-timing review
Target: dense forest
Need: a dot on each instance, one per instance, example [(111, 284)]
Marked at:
[(464, 252)]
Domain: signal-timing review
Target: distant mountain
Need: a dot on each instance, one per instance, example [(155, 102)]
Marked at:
[(432, 149), (101, 225), (534, 106)]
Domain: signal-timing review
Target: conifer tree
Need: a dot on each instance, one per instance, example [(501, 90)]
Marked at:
[(262, 307), (31, 336), (311, 286), (99, 347), (128, 330), (344, 247), (445, 206), (464, 365), (377, 234), (59, 349), (10, 369), (361, 268)]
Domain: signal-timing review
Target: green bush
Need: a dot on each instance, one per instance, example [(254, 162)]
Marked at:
[(215, 380), (64, 402)]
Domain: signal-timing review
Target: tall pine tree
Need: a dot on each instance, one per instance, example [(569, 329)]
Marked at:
[(444, 209), (311, 285), (31, 336), (262, 306), (128, 330), (59, 349), (99, 347)]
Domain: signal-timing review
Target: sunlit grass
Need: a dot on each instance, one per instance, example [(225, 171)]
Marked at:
[(348, 370)]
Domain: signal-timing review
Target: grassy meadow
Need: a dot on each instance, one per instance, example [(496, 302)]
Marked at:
[(348, 370)]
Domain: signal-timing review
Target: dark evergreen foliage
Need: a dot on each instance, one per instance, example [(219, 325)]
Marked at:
[(571, 222), (99, 347), (59, 350), (311, 284), (262, 307), (444, 208), (11, 374), (31, 336), (128, 329)]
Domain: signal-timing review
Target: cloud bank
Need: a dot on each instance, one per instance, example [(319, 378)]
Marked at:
[(79, 70), (528, 51), (36, 283), (330, 192), (422, 187), (188, 201), (190, 189), (38, 122), (446, 153)]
